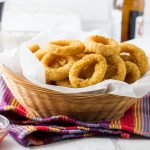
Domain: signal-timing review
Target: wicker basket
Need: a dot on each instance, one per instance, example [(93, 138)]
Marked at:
[(41, 102)]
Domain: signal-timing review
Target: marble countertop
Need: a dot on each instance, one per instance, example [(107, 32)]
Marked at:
[(95, 143)]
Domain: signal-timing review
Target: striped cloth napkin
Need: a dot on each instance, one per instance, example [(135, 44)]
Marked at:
[(30, 131)]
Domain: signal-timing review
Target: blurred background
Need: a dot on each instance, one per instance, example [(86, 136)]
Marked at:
[(22, 19)]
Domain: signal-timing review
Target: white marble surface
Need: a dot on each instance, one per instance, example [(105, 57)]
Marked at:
[(95, 143)]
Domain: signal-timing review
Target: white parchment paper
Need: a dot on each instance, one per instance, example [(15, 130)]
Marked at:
[(22, 61)]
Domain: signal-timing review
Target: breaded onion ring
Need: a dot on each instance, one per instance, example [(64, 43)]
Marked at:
[(65, 47), (65, 83), (102, 45), (138, 55), (40, 53), (81, 55), (53, 61), (59, 62), (48, 59), (34, 47), (127, 57), (117, 62), (55, 74), (111, 71), (100, 68), (133, 72)]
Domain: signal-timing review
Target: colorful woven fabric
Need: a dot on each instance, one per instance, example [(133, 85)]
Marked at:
[(29, 131)]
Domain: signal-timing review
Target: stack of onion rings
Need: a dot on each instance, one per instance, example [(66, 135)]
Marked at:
[(137, 56), (74, 64)]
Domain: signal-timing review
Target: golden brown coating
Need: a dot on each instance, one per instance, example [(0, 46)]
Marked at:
[(80, 56), (100, 67), (34, 47), (55, 74), (111, 71), (102, 45), (59, 62), (40, 53), (133, 72), (49, 59), (126, 57), (118, 65), (138, 55), (65, 47), (65, 83)]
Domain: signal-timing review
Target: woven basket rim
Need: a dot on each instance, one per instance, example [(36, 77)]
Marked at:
[(24, 82)]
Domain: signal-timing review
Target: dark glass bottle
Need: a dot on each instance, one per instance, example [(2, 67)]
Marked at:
[(1, 10), (132, 19)]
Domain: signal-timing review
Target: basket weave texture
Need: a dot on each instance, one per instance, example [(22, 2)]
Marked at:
[(41, 102)]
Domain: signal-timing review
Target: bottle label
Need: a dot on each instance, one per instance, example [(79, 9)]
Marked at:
[(136, 22), (139, 26)]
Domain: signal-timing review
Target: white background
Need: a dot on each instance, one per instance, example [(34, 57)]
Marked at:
[(93, 13)]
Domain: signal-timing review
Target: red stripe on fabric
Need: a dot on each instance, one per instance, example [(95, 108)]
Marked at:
[(42, 128), (21, 112), (22, 108), (71, 128), (127, 122)]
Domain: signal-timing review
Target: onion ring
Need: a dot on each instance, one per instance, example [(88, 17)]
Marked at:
[(81, 55), (48, 59), (53, 61), (65, 47), (133, 72), (58, 63), (111, 71), (127, 57), (116, 61), (55, 74), (102, 45), (34, 47), (138, 55), (65, 83), (40, 53), (100, 68)]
